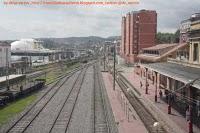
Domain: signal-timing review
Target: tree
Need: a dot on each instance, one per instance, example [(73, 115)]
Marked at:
[(167, 37), (176, 36)]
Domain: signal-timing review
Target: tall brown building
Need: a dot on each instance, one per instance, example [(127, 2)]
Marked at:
[(138, 31), (123, 39)]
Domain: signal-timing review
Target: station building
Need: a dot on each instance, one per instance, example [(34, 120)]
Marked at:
[(138, 31), (178, 75)]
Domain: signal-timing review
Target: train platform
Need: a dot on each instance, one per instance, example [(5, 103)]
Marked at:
[(175, 119), (13, 79), (17, 85), (127, 119), (3, 79)]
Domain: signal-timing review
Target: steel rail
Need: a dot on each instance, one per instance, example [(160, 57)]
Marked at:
[(81, 82), (71, 90)]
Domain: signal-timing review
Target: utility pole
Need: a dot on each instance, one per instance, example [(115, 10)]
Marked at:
[(146, 84), (156, 74), (114, 66), (7, 70), (104, 58)]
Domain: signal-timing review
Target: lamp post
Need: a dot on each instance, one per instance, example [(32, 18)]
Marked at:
[(7, 70), (104, 58), (146, 89), (156, 97), (114, 65), (190, 124), (169, 103)]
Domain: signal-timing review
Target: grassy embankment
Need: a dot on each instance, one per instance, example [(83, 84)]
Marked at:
[(62, 69), (15, 107)]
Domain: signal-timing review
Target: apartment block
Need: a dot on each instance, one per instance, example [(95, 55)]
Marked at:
[(138, 31)]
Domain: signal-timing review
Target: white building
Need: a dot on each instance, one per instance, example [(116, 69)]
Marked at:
[(5, 54), (27, 45)]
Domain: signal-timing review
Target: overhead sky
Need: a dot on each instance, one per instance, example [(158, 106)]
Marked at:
[(66, 21)]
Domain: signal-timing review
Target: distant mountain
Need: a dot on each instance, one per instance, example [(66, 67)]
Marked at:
[(113, 38), (74, 42)]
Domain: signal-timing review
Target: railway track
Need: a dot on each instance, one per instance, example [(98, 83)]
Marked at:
[(100, 124), (61, 123), (65, 74), (146, 117), (61, 107), (33, 112)]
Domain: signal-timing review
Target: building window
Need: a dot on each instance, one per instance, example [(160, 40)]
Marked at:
[(196, 52)]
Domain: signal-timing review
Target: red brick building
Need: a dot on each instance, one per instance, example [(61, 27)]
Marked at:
[(138, 31)]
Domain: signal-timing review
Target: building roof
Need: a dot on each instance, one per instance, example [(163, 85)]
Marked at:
[(157, 58), (4, 43), (160, 46), (179, 72)]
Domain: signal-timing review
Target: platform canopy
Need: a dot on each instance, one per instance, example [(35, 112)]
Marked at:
[(178, 72), (12, 79)]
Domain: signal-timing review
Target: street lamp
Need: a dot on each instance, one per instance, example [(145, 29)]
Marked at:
[(146, 89), (169, 104), (7, 70), (114, 65), (104, 58), (156, 97)]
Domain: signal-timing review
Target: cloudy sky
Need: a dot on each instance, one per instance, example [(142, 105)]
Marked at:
[(65, 21)]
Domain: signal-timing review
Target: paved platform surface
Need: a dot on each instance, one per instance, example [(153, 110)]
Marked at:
[(128, 121), (175, 117)]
